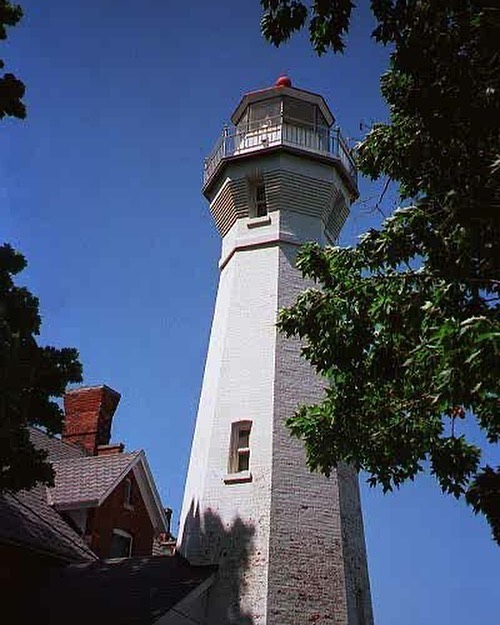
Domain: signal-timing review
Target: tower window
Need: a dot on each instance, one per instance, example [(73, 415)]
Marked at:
[(260, 200), (243, 451), (239, 455), (257, 199)]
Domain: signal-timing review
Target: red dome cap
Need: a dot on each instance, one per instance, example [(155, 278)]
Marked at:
[(283, 81)]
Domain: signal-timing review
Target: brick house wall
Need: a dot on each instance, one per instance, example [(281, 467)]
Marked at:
[(114, 514)]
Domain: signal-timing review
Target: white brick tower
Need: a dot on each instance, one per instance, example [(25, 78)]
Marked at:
[(289, 543)]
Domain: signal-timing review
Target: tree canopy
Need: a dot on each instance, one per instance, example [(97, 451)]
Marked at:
[(11, 88), (405, 326), (31, 377)]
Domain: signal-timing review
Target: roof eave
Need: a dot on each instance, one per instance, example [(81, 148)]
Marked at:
[(64, 506), (49, 553)]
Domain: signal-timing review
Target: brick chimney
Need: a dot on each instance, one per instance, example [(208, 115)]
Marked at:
[(88, 415)]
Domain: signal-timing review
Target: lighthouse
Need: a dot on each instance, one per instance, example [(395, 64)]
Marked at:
[(288, 544)]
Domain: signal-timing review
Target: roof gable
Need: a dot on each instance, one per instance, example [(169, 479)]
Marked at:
[(150, 496), (87, 481)]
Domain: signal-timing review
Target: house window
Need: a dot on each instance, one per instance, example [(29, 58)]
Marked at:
[(121, 544), (239, 455), (127, 497)]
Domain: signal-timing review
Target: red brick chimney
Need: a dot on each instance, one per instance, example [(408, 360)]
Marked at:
[(88, 415)]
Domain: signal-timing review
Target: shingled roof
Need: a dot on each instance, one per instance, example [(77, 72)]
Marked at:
[(87, 480), (128, 591), (56, 448), (32, 519), (27, 520)]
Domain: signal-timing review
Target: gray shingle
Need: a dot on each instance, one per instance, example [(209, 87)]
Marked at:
[(27, 520), (129, 591), (86, 479), (56, 447)]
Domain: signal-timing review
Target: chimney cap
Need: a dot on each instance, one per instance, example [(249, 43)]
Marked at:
[(83, 389)]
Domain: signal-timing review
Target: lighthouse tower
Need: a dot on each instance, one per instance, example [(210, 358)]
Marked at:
[(288, 543)]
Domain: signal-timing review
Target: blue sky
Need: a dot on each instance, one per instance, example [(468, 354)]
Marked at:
[(100, 189)]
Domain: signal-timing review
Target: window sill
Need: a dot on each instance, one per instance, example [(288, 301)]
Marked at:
[(255, 222), (238, 478)]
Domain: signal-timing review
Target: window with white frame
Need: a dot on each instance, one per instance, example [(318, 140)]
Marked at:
[(121, 544), (239, 453)]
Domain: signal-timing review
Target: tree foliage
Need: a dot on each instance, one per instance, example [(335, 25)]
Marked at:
[(11, 88), (31, 377), (405, 326)]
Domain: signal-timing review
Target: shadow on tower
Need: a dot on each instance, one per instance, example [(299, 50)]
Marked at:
[(208, 540)]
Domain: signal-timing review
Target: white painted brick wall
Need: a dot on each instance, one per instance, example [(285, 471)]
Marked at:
[(238, 384), (289, 544)]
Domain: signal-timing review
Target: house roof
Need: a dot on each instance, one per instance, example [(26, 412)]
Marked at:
[(128, 591), (27, 520), (32, 518), (56, 448), (87, 480)]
